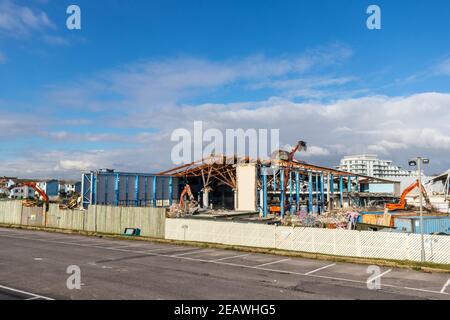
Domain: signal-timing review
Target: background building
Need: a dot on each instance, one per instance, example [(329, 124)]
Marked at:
[(23, 192), (370, 165), (69, 187), (50, 187)]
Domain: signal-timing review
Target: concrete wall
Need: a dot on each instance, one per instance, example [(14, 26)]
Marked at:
[(365, 244), (104, 219), (246, 187)]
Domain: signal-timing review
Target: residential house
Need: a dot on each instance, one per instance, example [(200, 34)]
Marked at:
[(23, 192), (50, 187)]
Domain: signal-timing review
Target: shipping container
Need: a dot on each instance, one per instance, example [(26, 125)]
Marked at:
[(431, 224), (362, 214)]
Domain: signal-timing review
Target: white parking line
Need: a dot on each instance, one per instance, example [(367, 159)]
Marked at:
[(35, 296), (190, 252), (233, 257), (378, 276), (445, 286), (129, 246), (240, 265), (316, 270), (269, 263), (155, 250)]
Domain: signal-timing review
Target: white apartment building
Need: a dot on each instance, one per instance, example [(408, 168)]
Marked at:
[(370, 165), (23, 192)]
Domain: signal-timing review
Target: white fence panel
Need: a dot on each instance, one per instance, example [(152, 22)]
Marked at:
[(346, 243), (303, 240), (382, 245), (284, 238), (325, 241)]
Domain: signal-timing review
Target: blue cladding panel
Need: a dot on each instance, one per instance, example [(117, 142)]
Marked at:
[(126, 189), (430, 224), (403, 224)]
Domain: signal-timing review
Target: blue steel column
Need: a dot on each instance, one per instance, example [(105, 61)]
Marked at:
[(116, 190), (349, 184), (282, 200), (297, 190), (145, 191), (322, 193), (357, 184), (106, 189), (290, 190), (264, 186), (310, 192), (274, 180), (126, 191), (162, 191), (341, 191), (170, 190), (154, 191), (136, 190), (317, 192), (94, 188), (332, 190)]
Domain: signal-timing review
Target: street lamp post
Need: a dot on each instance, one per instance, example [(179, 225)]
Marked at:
[(418, 162)]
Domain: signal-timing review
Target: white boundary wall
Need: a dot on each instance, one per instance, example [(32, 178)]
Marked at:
[(350, 243)]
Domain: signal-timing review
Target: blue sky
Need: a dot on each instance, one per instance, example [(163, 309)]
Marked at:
[(109, 95)]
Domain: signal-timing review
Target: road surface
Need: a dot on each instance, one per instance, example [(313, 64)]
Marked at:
[(34, 265)]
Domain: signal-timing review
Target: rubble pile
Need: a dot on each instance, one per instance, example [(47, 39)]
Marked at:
[(337, 219), (175, 211)]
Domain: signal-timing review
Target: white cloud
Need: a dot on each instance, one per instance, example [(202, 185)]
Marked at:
[(314, 151), (156, 84), (152, 95), (396, 128), (19, 21)]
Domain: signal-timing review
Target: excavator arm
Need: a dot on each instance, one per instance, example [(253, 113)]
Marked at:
[(38, 190), (301, 145), (401, 205), (186, 190)]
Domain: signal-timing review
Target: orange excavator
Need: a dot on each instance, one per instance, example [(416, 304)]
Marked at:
[(401, 205), (186, 190)]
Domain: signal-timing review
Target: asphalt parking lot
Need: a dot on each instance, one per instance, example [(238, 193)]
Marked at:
[(34, 265)]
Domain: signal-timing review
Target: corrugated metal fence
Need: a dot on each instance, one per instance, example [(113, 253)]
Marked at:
[(366, 244), (104, 219)]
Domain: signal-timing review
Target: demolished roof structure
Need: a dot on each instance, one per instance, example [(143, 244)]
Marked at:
[(223, 167)]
